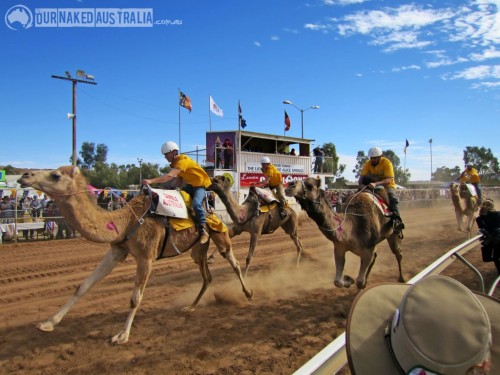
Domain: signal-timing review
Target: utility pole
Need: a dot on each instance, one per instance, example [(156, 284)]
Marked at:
[(89, 79), (140, 170)]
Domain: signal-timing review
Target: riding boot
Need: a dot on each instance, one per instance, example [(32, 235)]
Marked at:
[(281, 209), (203, 234), (397, 222)]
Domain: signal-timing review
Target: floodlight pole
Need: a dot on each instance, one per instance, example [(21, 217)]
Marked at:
[(74, 82), (302, 110)]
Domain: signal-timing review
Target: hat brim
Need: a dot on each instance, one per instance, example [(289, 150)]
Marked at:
[(372, 311)]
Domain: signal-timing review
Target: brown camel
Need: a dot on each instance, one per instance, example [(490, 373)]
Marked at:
[(359, 229), (465, 204), (127, 231), (248, 218)]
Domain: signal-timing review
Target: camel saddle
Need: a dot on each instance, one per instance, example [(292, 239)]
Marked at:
[(467, 189), (379, 200), (169, 203)]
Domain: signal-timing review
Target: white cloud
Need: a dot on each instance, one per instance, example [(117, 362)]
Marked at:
[(257, 44), (343, 2), (490, 53), (479, 72), (403, 68), (275, 38)]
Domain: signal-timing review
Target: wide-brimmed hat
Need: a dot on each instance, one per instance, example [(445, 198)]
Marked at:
[(436, 326)]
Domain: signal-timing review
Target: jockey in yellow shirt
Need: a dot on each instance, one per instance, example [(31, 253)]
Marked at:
[(274, 180), (378, 171), (195, 178), (470, 175)]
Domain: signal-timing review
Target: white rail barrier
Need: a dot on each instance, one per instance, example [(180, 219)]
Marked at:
[(332, 358)]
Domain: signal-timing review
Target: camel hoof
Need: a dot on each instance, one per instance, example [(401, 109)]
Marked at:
[(249, 294), (348, 281), (338, 284), (188, 309), (121, 338), (210, 260), (46, 326)]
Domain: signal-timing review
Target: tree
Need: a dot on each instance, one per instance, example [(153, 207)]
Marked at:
[(332, 160), (92, 155), (484, 161), (446, 174), (361, 159)]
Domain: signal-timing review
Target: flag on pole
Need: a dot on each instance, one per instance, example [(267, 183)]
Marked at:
[(184, 101), (241, 120), (214, 108), (406, 146), (287, 122)]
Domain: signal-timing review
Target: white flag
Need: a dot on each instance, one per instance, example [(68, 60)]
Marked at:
[(215, 108)]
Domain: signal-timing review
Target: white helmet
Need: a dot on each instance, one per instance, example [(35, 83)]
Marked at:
[(169, 146), (265, 160), (374, 152), (470, 164)]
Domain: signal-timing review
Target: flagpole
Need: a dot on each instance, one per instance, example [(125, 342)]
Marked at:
[(179, 104), (209, 115), (239, 117)]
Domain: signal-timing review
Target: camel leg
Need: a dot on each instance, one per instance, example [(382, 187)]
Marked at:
[(367, 259), (459, 220), (110, 260), (144, 267), (339, 266), (254, 238), (370, 267), (395, 245), (199, 255), (290, 228), (226, 249)]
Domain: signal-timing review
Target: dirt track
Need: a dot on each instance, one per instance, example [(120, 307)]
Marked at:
[(293, 315)]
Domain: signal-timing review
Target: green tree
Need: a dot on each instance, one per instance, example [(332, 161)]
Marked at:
[(400, 176), (361, 159), (91, 155), (446, 174), (331, 161), (484, 161)]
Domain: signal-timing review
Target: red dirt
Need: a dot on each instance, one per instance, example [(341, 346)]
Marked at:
[(293, 315)]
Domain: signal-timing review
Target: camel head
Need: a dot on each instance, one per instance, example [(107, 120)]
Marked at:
[(221, 182), (307, 189), (487, 206), (57, 183)]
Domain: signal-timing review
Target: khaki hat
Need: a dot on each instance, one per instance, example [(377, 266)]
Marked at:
[(436, 326)]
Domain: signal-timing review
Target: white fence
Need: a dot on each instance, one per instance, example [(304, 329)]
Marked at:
[(333, 358)]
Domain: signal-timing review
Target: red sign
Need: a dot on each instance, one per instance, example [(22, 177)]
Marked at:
[(249, 179)]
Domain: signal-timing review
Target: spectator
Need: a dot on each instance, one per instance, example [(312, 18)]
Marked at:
[(218, 162), (318, 162), (228, 153), (435, 326), (7, 208), (35, 210), (292, 152)]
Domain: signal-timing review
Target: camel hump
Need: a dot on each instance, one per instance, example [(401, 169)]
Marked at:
[(172, 203), (266, 196), (379, 201)]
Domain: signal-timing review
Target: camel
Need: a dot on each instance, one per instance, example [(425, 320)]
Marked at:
[(127, 231), (248, 218), (465, 205), (359, 229)]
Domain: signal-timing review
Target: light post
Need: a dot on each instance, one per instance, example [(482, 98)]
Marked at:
[(86, 78), (430, 145), (140, 171), (301, 112)]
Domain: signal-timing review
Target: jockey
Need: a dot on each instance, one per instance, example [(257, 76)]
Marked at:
[(378, 171), (195, 178), (470, 175)]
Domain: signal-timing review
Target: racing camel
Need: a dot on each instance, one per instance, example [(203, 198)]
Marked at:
[(128, 231), (465, 205), (248, 218), (359, 229)]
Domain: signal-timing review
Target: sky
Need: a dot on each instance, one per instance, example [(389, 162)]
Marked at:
[(381, 72)]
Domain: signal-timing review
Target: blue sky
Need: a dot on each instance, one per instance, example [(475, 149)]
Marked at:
[(381, 72)]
